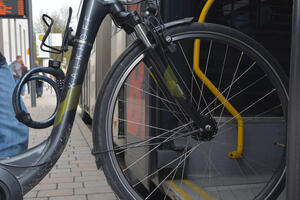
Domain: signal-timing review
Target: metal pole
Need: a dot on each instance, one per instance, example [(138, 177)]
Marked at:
[(293, 150), (31, 51)]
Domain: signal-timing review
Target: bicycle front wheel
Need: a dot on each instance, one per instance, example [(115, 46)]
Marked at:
[(146, 144)]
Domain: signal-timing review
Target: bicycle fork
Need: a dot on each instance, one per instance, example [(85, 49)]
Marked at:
[(161, 71)]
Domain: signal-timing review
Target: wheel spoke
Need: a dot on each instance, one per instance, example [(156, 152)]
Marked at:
[(193, 78), (223, 92), (154, 95), (205, 71), (221, 76), (183, 159), (249, 120), (240, 92), (191, 151), (250, 106), (163, 167), (232, 82), (151, 150), (174, 131), (171, 108), (154, 107)]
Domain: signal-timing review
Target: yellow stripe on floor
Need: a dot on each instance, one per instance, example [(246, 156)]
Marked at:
[(179, 190), (198, 190)]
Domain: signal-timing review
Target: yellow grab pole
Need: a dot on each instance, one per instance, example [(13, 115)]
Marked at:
[(238, 153)]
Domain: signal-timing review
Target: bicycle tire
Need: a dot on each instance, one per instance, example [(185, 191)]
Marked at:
[(102, 123)]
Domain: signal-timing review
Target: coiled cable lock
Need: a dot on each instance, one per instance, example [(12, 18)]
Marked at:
[(23, 116)]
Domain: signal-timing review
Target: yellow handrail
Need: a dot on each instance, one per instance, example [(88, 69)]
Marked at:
[(238, 153)]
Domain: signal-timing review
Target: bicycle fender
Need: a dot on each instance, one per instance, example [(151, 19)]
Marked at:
[(175, 23)]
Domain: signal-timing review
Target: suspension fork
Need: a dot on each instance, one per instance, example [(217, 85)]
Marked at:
[(161, 68)]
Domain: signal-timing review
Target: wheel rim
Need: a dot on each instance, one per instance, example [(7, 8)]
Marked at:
[(126, 176)]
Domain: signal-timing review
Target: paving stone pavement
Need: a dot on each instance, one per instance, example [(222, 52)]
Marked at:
[(75, 176)]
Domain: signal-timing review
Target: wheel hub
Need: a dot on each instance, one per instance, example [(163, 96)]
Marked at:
[(207, 131)]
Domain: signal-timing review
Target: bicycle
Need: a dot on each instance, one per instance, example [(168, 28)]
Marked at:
[(153, 117)]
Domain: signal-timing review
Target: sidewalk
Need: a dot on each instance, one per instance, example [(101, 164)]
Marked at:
[(75, 176)]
